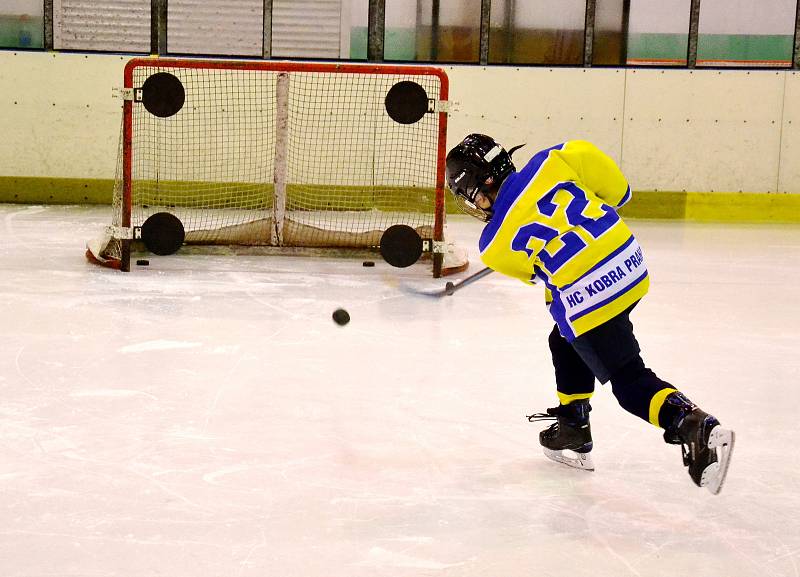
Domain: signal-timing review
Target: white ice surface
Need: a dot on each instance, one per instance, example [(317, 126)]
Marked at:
[(204, 416)]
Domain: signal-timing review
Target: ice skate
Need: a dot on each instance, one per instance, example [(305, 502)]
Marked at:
[(705, 444), (569, 439)]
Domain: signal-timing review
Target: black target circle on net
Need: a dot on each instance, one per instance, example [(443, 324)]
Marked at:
[(163, 94), (401, 246), (163, 233), (406, 102)]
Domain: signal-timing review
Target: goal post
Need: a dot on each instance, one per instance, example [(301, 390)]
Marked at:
[(281, 155)]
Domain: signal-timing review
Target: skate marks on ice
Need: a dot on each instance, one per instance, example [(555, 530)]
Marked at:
[(391, 447)]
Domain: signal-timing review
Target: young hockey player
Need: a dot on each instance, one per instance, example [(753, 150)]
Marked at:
[(555, 222)]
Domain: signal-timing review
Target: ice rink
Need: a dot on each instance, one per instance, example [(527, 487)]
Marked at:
[(204, 416)]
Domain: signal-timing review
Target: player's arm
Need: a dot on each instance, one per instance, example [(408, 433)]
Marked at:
[(598, 172), (519, 264)]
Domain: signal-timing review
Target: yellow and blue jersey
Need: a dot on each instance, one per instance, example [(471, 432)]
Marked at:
[(556, 221)]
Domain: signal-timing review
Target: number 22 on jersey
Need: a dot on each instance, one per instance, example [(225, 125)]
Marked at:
[(564, 213)]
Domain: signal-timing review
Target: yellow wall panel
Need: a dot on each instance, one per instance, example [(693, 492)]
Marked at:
[(703, 130), (789, 180), (671, 130), (59, 115), (538, 106)]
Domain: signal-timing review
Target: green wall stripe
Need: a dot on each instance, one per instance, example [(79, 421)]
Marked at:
[(400, 45), (666, 205), (734, 206), (711, 47), (658, 46), (693, 206), (715, 207), (18, 31), (744, 47), (42, 190)]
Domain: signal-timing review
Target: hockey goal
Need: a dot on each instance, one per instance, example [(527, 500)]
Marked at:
[(281, 154)]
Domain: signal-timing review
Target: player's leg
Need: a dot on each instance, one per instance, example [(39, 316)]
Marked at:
[(575, 385), (574, 379), (613, 351)]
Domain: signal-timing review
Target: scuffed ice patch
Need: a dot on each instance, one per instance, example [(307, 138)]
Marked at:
[(158, 345)]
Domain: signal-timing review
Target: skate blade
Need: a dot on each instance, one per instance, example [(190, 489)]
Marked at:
[(722, 441), (581, 461)]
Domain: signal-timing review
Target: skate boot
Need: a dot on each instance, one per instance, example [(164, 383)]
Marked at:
[(570, 432), (705, 445)]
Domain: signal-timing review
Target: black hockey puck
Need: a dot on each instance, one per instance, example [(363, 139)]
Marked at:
[(367, 263), (143, 262), (341, 317), (449, 289)]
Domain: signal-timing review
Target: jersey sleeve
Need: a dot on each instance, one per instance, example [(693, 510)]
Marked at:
[(598, 172), (509, 267)]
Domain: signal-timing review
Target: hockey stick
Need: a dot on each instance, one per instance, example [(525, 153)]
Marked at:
[(450, 287)]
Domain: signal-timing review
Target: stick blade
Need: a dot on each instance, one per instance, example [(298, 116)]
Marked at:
[(418, 292)]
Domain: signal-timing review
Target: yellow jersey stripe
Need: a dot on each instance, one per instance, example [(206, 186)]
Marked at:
[(657, 402), (567, 399)]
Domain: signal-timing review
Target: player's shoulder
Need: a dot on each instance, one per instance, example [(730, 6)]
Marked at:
[(583, 151), (568, 147), (579, 145), (541, 157)]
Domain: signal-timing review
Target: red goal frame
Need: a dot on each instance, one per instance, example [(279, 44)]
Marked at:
[(284, 66)]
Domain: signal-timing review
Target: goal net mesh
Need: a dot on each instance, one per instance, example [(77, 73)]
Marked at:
[(349, 170)]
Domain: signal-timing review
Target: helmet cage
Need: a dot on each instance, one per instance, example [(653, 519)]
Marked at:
[(471, 208), (469, 165)]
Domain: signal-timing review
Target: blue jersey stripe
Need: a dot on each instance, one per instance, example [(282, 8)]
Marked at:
[(625, 198), (613, 297), (559, 313), (613, 255), (510, 191)]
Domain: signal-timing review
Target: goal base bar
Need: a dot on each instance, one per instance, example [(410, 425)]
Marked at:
[(453, 261)]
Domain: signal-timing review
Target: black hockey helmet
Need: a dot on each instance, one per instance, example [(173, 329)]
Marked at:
[(469, 166)]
